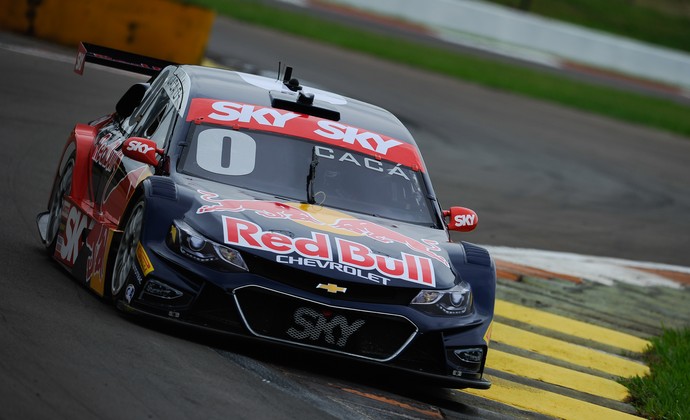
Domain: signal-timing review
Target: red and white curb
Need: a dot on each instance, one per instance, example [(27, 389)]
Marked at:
[(576, 267)]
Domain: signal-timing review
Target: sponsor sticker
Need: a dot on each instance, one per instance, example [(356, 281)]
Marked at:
[(462, 220), (487, 334), (331, 288), (348, 257), (314, 326), (108, 155), (70, 239), (129, 293), (81, 60), (342, 225), (144, 261), (255, 117), (98, 244), (267, 209)]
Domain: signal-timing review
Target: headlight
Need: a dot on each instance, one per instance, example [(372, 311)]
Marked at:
[(455, 301), (188, 242)]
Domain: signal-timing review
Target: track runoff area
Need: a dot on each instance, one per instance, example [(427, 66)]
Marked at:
[(568, 326)]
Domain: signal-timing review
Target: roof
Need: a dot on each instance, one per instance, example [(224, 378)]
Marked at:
[(213, 83)]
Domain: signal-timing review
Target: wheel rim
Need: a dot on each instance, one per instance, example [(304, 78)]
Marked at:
[(57, 202), (126, 252)]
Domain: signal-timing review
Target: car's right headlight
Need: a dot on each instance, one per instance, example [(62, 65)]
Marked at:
[(454, 301), (188, 242)]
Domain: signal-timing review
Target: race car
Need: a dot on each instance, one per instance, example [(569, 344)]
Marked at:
[(260, 207)]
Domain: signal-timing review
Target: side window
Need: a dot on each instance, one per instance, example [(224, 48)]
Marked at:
[(159, 130), (155, 120), (150, 97)]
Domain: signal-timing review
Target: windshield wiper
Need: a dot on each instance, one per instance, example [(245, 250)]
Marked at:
[(311, 176)]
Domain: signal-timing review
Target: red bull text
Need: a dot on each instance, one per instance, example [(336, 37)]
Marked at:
[(348, 257)]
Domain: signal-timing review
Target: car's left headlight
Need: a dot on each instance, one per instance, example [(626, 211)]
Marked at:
[(188, 242), (454, 301)]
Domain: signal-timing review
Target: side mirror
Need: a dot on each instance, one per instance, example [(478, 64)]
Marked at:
[(142, 150), (131, 100), (461, 219)]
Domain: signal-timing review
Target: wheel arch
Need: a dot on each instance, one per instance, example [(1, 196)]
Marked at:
[(79, 144), (150, 190)]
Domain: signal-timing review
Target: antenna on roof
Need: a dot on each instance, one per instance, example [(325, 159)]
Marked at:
[(279, 69)]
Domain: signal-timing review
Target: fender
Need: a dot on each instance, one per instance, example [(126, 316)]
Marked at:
[(83, 136), (81, 142), (475, 265), (160, 186)]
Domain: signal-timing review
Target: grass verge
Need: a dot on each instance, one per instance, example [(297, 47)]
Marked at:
[(622, 105), (663, 394)]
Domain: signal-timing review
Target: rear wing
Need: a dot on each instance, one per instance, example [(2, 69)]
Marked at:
[(122, 60)]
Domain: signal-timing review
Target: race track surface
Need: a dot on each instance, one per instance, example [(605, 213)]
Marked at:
[(539, 176)]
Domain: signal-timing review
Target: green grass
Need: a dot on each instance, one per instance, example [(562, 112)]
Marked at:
[(626, 106), (665, 392), (662, 22)]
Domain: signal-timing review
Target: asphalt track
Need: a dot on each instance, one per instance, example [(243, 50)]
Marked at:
[(539, 177)]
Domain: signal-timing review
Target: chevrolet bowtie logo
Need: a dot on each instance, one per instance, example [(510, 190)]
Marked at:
[(332, 288)]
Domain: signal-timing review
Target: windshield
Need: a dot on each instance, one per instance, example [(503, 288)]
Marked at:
[(306, 171)]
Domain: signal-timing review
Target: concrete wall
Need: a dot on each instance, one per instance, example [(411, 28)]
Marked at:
[(158, 28), (477, 22)]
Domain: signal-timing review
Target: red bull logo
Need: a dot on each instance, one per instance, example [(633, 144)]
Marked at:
[(275, 210), (348, 257), (268, 209), (389, 236)]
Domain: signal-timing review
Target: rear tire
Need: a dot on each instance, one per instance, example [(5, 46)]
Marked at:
[(62, 187), (126, 253)]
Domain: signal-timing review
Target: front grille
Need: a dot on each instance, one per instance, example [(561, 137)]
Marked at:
[(356, 292), (283, 317)]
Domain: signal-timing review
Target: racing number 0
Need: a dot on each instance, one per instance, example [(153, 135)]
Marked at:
[(226, 152)]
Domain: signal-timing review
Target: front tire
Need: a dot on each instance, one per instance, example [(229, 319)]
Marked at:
[(62, 188), (126, 253)]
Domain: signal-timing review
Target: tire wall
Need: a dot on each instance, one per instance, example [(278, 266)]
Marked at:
[(162, 29)]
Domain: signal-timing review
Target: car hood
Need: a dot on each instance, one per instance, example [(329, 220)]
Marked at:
[(338, 245)]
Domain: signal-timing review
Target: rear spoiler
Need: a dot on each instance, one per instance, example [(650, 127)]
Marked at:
[(118, 59)]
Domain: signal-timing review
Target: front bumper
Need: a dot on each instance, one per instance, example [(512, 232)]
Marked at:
[(391, 335), (427, 377)]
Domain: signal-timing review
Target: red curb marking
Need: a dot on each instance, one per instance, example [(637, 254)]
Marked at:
[(678, 277), (434, 412), (515, 272)]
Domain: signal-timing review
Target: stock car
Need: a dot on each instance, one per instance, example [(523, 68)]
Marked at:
[(259, 207)]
